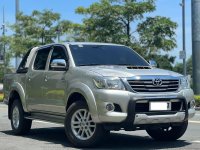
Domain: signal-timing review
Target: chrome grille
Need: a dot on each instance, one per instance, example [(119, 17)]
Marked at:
[(148, 86)]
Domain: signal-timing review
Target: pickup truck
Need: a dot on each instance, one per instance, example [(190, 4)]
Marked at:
[(95, 88)]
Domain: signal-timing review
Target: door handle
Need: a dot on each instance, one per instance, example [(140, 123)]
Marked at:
[(29, 78), (46, 78)]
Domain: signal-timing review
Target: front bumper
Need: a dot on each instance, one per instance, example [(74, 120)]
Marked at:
[(127, 101)]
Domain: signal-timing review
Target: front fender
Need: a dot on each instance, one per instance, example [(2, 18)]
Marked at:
[(20, 90), (85, 91)]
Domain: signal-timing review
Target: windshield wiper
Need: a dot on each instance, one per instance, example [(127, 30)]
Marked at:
[(90, 65), (123, 65)]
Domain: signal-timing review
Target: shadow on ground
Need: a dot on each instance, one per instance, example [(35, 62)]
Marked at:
[(114, 141)]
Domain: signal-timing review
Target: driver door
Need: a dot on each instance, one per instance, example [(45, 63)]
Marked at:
[(55, 83)]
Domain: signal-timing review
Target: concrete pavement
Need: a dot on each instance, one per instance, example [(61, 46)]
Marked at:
[(50, 136)]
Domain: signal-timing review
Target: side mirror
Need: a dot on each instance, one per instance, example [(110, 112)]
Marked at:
[(153, 63), (58, 65)]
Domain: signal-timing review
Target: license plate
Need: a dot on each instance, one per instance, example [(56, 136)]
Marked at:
[(159, 106)]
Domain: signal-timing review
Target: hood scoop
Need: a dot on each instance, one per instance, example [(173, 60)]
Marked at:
[(138, 67)]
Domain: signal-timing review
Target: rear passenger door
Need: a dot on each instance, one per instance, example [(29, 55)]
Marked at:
[(35, 80)]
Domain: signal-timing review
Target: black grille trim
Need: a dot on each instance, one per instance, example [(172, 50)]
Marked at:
[(138, 67)]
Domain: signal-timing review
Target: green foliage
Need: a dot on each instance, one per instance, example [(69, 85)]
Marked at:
[(1, 97), (24, 37), (164, 61), (197, 100), (1, 73), (104, 21), (4, 41), (110, 20), (3, 69), (74, 31), (157, 33), (179, 67), (46, 25), (36, 29), (102, 25)]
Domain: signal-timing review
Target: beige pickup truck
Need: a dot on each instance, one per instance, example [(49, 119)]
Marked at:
[(93, 88)]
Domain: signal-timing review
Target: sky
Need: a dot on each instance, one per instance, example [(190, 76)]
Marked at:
[(166, 8)]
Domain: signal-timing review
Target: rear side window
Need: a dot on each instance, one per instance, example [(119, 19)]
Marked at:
[(41, 59), (23, 67)]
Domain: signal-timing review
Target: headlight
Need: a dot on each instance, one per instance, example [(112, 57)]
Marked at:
[(185, 82), (109, 83)]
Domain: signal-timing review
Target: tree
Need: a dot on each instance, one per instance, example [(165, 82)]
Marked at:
[(179, 67), (110, 20), (47, 25), (24, 36), (73, 31), (157, 33), (33, 30), (4, 67), (164, 61), (4, 41), (101, 26)]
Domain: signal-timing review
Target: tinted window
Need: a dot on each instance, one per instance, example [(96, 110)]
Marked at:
[(23, 67), (41, 59), (105, 55), (58, 53)]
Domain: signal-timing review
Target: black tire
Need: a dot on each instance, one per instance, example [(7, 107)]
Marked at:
[(24, 125), (99, 132), (162, 134)]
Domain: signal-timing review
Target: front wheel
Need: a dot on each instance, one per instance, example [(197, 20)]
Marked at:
[(168, 134), (80, 128), (19, 124)]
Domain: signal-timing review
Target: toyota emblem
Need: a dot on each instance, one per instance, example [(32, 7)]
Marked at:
[(157, 82)]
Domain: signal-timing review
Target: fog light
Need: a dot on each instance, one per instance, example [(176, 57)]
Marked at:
[(192, 104), (110, 107)]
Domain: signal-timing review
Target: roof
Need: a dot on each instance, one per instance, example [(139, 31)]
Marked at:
[(91, 43), (79, 43)]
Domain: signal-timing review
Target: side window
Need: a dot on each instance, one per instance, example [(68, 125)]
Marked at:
[(58, 53), (41, 59), (23, 67)]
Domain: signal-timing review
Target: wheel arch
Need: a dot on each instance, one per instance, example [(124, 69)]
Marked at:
[(83, 92), (75, 97), (17, 92)]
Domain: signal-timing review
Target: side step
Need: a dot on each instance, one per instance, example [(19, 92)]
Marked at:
[(46, 117)]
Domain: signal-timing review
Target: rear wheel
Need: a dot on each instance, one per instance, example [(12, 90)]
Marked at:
[(168, 134), (19, 124), (80, 128)]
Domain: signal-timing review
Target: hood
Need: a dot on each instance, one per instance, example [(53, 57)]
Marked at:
[(123, 71)]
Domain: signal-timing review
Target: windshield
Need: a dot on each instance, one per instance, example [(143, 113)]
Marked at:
[(87, 55)]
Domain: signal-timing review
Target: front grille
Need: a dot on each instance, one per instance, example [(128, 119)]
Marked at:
[(148, 86)]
